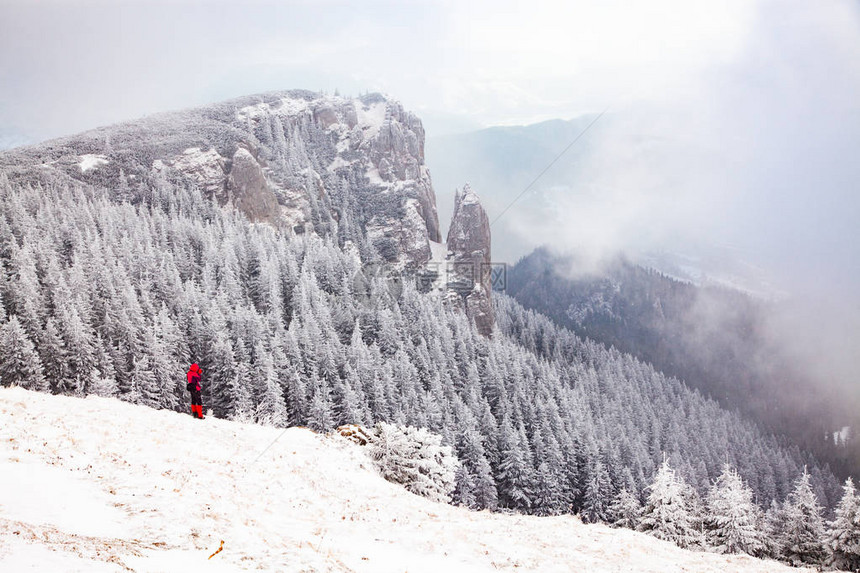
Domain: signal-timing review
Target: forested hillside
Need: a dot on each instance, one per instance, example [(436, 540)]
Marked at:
[(717, 340), (113, 298)]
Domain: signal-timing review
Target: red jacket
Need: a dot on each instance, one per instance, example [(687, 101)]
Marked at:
[(194, 378)]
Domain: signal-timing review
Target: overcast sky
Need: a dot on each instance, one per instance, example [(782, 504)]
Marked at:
[(758, 102), (66, 65)]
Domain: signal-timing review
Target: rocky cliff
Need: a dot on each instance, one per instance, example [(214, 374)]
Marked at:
[(350, 168), (469, 278)]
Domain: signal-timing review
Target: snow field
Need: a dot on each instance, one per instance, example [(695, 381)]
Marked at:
[(101, 485), (91, 161)]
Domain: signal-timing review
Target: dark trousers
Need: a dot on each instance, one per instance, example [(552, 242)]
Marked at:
[(196, 398)]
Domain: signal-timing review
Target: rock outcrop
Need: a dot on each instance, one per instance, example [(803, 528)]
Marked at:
[(353, 164), (248, 190), (349, 168), (469, 274)]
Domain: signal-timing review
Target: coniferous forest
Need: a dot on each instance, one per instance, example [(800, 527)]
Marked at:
[(114, 297), (718, 340)]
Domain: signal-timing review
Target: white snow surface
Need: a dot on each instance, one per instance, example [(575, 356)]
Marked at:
[(371, 117), (91, 161), (285, 107), (337, 163), (97, 484)]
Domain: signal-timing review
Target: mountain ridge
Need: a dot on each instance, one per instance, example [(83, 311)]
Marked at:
[(303, 154), (715, 338)]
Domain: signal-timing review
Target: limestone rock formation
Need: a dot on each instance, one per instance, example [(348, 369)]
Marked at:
[(469, 283), (347, 168), (353, 164), (248, 190)]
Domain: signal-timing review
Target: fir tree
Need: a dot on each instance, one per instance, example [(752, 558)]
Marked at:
[(78, 339), (295, 396), (666, 514), (474, 462), (271, 409), (2, 289), (19, 363), (598, 491), (731, 518), (241, 403), (625, 510), (52, 350), (803, 530), (320, 415), (514, 473), (771, 524), (464, 488), (843, 535), (145, 384), (221, 377)]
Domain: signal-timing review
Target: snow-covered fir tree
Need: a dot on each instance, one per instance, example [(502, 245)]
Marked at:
[(414, 458), (598, 491), (514, 475), (271, 409), (19, 363), (667, 513), (843, 533), (625, 510), (771, 523), (803, 527), (731, 516), (475, 486)]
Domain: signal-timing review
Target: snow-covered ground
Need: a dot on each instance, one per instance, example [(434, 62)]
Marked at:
[(100, 485), (91, 161)]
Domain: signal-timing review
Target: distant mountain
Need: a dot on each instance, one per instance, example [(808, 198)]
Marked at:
[(713, 337), (297, 159), (712, 266)]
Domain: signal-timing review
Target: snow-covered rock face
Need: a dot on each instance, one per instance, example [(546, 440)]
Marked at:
[(91, 161), (469, 262), (370, 145), (204, 168), (248, 189), (351, 168)]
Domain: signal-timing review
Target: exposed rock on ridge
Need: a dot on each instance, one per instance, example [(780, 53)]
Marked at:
[(352, 168), (469, 271), (248, 191)]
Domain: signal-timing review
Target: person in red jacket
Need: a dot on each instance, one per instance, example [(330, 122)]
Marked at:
[(195, 373)]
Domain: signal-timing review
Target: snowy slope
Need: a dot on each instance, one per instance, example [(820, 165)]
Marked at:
[(100, 485)]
